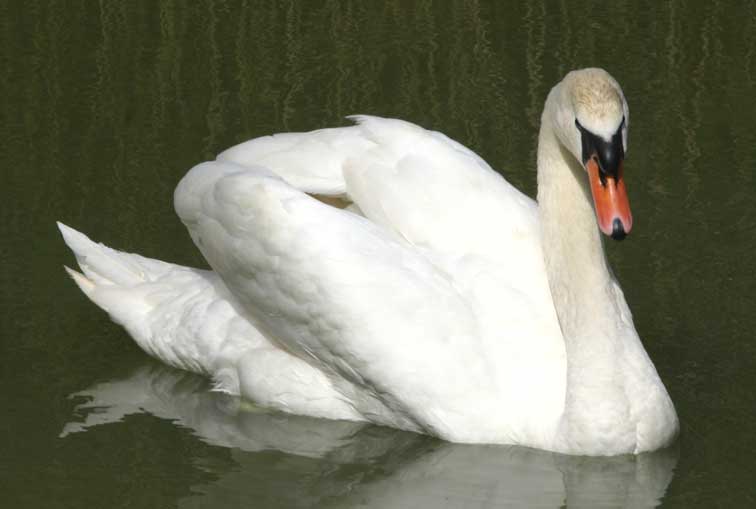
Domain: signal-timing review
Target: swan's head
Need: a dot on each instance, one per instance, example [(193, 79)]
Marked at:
[(591, 122)]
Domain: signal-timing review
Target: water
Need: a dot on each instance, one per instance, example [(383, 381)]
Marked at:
[(106, 105)]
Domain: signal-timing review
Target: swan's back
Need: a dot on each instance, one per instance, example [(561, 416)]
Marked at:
[(429, 189), (430, 312)]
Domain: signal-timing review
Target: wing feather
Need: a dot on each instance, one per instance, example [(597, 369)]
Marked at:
[(436, 294), (340, 292)]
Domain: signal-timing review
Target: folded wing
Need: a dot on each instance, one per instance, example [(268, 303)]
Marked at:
[(399, 308)]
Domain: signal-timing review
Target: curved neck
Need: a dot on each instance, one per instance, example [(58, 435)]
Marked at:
[(579, 276), (600, 340)]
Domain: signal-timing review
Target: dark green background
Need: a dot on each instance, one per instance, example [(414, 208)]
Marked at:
[(104, 106)]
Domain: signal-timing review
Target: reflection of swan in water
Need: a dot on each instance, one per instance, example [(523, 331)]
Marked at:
[(361, 465)]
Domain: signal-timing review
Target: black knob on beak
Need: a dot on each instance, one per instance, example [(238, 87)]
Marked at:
[(618, 230)]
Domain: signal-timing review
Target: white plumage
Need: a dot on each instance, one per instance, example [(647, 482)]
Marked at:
[(425, 305)]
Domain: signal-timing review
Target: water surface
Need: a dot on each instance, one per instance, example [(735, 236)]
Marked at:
[(106, 105)]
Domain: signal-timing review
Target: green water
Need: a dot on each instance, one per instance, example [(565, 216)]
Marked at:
[(106, 105)]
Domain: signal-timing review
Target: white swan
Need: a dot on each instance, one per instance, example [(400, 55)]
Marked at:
[(441, 300)]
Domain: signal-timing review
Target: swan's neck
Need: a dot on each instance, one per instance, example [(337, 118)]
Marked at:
[(604, 353), (581, 283)]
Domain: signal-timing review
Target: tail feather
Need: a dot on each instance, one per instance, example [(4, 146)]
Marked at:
[(183, 316), (86, 285), (103, 265), (189, 319)]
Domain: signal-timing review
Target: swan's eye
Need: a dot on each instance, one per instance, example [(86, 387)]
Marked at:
[(580, 127)]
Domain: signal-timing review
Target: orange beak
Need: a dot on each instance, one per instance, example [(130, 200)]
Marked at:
[(610, 200)]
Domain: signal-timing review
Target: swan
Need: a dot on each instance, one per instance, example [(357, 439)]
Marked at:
[(382, 272)]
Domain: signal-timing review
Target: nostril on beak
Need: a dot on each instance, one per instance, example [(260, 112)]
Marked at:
[(618, 230)]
